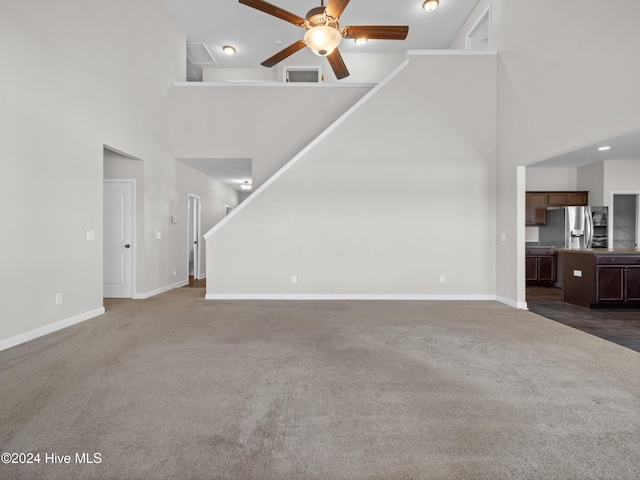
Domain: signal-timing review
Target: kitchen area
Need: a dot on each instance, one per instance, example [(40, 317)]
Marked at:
[(583, 262)]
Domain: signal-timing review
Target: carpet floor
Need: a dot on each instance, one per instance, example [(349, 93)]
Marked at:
[(179, 387)]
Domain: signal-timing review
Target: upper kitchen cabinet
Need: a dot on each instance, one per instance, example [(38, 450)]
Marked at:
[(568, 199), (536, 208), (538, 202)]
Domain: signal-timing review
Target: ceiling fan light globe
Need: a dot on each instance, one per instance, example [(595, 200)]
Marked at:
[(430, 5), (360, 41), (322, 40)]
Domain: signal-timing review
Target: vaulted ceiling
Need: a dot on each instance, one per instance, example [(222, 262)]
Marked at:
[(257, 36)]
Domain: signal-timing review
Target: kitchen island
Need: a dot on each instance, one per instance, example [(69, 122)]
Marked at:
[(601, 277)]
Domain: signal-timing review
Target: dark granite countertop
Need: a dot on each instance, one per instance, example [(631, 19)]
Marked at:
[(600, 251)]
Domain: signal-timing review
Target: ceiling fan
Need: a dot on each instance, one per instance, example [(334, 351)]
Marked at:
[(323, 34)]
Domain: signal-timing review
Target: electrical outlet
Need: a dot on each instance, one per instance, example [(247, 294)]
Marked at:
[(174, 273), (158, 235), (294, 279), (504, 237), (58, 299), (441, 278), (91, 235)]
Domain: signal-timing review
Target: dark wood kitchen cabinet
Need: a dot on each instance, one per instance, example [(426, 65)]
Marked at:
[(536, 208), (540, 266), (617, 280), (537, 203), (568, 199)]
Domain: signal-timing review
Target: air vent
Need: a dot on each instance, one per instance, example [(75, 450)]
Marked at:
[(198, 57)]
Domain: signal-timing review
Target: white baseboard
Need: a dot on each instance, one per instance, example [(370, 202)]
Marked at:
[(158, 291), (54, 327), (511, 303), (321, 296)]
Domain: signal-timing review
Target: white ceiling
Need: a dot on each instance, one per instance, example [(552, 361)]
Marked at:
[(254, 34), (623, 147), (230, 171)]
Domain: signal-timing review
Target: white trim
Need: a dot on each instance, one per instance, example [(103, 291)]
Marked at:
[(511, 303), (341, 296), (247, 83), (158, 291), (47, 329), (306, 149), (198, 255), (134, 220), (486, 13), (120, 152), (417, 53)]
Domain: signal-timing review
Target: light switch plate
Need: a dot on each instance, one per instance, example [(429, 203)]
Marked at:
[(91, 234)]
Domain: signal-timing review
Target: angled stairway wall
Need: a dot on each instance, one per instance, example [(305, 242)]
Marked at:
[(399, 196)]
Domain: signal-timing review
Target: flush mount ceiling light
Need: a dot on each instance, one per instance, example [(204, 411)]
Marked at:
[(604, 147), (430, 5), (360, 41), (229, 50), (246, 185)]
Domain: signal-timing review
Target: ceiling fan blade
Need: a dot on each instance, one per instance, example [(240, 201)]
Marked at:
[(377, 32), (337, 64), (282, 54), (335, 8), (275, 11)]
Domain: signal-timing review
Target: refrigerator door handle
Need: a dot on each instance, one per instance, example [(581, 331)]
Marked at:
[(588, 223)]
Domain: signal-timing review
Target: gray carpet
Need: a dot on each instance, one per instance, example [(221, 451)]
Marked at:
[(179, 387)]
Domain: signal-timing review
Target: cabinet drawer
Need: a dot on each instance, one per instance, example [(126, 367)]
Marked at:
[(537, 251), (617, 260)]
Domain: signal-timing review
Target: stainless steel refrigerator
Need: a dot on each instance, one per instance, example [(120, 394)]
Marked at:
[(575, 228)]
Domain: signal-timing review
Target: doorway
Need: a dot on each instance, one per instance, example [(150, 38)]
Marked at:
[(624, 220), (479, 37), (194, 240), (118, 238)]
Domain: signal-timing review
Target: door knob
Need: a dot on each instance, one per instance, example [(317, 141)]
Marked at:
[(127, 246)]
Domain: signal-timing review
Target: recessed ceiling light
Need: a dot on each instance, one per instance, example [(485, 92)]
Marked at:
[(229, 50), (605, 147)]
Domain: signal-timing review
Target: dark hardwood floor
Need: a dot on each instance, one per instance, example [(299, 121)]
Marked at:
[(617, 326)]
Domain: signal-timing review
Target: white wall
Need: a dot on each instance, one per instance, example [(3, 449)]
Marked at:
[(268, 124), (363, 68), (110, 69), (384, 204), (550, 179), (620, 176), (567, 77), (213, 198), (591, 179)]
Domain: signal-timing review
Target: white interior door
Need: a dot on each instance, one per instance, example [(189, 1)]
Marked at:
[(118, 236)]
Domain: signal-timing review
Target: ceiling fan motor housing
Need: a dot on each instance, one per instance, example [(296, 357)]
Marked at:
[(316, 16)]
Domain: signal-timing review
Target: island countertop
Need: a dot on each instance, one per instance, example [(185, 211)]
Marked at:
[(599, 251), (601, 277)]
